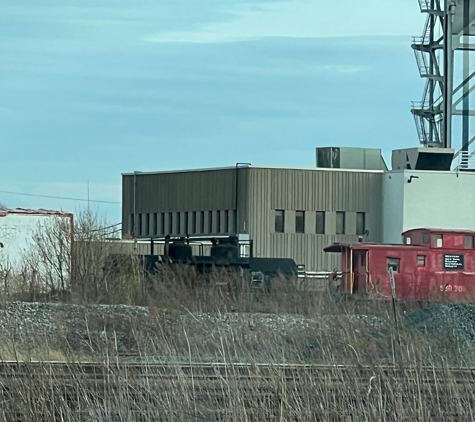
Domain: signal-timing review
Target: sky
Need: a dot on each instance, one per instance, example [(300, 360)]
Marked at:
[(93, 89)]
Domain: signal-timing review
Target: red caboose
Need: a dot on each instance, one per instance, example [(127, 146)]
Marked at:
[(430, 265)]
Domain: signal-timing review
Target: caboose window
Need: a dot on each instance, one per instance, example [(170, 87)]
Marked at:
[(394, 264), (437, 240), (421, 260), (468, 242), (425, 238), (408, 240)]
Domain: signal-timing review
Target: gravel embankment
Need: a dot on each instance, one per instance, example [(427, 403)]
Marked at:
[(98, 330)]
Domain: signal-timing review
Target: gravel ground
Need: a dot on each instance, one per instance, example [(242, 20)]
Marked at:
[(98, 330)]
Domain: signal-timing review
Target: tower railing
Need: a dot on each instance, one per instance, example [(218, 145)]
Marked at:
[(425, 5)]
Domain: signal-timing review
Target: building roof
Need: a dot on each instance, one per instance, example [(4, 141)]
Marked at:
[(138, 173), (26, 211)]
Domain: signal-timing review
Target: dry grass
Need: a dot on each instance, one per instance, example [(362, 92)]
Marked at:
[(372, 372)]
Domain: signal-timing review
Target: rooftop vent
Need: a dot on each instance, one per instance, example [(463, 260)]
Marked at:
[(350, 158)]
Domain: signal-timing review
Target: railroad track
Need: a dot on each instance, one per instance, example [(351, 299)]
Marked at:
[(76, 387), (102, 371)]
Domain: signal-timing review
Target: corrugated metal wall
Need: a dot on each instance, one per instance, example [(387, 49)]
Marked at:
[(261, 192), (311, 191), (172, 194)]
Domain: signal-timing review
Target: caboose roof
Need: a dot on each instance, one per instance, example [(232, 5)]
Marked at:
[(435, 230)]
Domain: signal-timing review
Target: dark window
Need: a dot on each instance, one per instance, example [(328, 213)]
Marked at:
[(299, 221), (360, 223), (178, 223), (394, 264), (155, 224), (218, 221), (279, 221), (193, 222), (147, 224), (170, 223), (132, 224), (235, 221), (202, 222), (425, 238), (468, 242), (340, 222), (186, 223), (421, 260), (320, 223), (162, 224), (437, 240), (210, 222), (140, 224), (226, 221)]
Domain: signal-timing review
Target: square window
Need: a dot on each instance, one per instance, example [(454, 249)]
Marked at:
[(468, 242), (394, 264), (279, 221), (320, 223), (360, 223), (299, 221), (421, 260), (340, 222), (437, 240)]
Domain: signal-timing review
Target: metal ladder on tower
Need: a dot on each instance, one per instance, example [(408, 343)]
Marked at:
[(421, 129), (420, 45), (425, 5)]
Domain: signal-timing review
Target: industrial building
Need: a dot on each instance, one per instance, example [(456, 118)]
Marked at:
[(297, 212), (287, 212), (350, 195)]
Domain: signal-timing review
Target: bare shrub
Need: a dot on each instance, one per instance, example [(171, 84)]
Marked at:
[(103, 272)]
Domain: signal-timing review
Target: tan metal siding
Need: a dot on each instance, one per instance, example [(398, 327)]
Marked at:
[(261, 191), (311, 191)]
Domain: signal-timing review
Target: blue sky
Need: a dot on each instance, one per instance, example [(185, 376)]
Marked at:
[(92, 89)]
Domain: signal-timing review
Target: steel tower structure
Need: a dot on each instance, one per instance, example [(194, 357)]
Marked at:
[(443, 56)]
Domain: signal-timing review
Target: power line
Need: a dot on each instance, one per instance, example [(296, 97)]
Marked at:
[(107, 227), (60, 197)]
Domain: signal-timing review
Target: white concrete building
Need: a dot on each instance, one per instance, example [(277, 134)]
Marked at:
[(436, 199), (17, 228)]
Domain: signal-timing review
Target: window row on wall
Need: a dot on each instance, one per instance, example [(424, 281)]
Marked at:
[(320, 222), (182, 223)]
